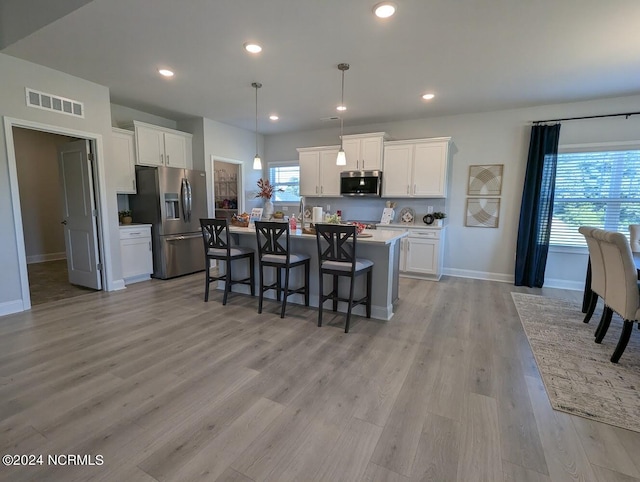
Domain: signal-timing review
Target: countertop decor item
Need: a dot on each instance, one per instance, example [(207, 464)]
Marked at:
[(125, 216), (407, 215), (428, 219)]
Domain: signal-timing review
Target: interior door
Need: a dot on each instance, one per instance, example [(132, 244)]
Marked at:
[(79, 214)]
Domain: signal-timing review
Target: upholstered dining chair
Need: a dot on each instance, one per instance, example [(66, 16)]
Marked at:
[(273, 251), (596, 265), (634, 237), (621, 293), (337, 250), (217, 246)]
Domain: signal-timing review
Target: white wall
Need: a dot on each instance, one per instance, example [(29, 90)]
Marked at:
[(122, 116), (16, 75), (489, 138), (230, 142)]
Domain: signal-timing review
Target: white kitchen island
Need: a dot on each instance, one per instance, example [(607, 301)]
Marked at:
[(382, 247)]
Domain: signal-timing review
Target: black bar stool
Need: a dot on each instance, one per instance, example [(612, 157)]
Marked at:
[(217, 245), (273, 251), (337, 257)]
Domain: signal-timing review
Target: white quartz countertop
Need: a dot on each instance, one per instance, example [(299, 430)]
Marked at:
[(407, 226), (378, 236)]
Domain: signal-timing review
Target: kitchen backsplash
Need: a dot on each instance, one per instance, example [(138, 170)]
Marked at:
[(370, 209)]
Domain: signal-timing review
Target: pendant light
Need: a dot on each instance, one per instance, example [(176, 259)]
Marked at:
[(341, 160), (257, 162)]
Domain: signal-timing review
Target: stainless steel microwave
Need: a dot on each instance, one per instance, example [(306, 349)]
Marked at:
[(361, 183)]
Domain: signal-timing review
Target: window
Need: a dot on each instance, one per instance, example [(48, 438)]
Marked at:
[(285, 179), (595, 187)]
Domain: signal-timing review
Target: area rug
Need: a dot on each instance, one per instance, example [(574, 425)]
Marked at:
[(576, 371)]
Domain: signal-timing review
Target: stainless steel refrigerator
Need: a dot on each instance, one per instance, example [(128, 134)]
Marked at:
[(172, 200)]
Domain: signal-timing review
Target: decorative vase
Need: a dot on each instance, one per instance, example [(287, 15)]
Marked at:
[(438, 223), (267, 212), (127, 219)]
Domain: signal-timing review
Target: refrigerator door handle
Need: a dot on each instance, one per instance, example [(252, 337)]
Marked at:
[(182, 237), (183, 199), (190, 199)]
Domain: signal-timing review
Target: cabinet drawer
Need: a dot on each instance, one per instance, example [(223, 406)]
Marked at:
[(424, 234), (133, 232)]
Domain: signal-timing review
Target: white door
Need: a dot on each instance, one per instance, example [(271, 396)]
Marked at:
[(79, 214)]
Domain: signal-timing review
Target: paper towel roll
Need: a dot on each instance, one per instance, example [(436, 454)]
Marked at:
[(316, 215)]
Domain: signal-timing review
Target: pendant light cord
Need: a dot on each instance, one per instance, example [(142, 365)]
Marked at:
[(256, 86), (342, 114)]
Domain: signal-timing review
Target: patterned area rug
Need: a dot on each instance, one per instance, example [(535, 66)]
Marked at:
[(577, 373)]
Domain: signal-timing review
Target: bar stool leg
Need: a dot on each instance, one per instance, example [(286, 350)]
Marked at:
[(335, 292), (369, 289), (227, 282), (279, 284), (252, 275), (346, 327), (207, 280), (286, 292), (306, 283), (261, 288), (320, 300)]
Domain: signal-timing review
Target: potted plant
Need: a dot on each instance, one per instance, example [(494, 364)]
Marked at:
[(439, 216), (125, 216)]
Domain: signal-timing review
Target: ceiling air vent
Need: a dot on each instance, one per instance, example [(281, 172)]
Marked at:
[(41, 100)]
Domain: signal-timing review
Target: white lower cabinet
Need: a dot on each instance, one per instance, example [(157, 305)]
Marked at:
[(136, 252), (420, 252)]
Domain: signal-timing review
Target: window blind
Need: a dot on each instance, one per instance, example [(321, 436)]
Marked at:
[(285, 179), (600, 189)]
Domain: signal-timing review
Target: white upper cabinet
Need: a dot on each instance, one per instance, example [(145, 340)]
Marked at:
[(123, 152), (416, 168), (363, 151), (159, 146), (319, 174)]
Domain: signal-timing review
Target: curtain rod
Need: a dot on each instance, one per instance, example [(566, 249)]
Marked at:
[(625, 114)]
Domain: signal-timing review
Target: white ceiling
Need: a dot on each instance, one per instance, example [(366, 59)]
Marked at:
[(475, 55)]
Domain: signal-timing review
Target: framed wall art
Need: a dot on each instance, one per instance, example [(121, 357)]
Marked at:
[(483, 212), (485, 180)]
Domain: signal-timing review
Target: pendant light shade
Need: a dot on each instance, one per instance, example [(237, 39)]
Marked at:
[(257, 162), (341, 160)]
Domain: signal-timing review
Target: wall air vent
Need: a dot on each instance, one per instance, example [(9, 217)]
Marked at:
[(41, 100)]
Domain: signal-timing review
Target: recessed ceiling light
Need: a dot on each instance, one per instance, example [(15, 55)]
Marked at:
[(165, 72), (428, 96), (252, 47), (341, 108), (384, 9), (274, 117)]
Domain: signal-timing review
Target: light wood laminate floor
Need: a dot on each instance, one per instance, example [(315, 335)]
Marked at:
[(166, 387)]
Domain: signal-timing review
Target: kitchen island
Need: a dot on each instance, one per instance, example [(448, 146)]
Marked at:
[(380, 246)]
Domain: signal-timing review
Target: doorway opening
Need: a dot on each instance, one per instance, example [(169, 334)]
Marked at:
[(55, 190), (227, 187)]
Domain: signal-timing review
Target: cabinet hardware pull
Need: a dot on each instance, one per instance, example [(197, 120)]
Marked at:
[(321, 189), (161, 158), (414, 189), (167, 159), (408, 188), (149, 245), (134, 184)]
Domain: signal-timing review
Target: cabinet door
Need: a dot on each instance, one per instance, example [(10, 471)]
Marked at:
[(352, 152), (123, 151), (371, 154), (309, 174), (150, 143), (175, 150), (397, 170), (329, 173), (430, 170), (422, 255)]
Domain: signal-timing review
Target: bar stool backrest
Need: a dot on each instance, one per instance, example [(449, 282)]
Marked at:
[(215, 234), (634, 237), (273, 239), (336, 245)]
